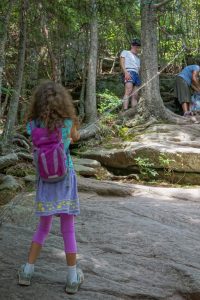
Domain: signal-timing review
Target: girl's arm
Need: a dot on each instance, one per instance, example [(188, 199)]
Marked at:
[(74, 134)]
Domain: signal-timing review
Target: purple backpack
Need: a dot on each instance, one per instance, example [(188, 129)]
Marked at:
[(49, 153)]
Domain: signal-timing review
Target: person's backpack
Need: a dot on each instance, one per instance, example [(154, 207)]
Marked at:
[(49, 153), (195, 107)]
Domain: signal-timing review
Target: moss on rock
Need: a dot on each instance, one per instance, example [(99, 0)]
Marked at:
[(21, 170)]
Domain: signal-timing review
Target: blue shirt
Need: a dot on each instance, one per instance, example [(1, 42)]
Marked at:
[(186, 73)]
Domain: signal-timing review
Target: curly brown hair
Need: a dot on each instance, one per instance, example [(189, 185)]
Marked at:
[(52, 104)]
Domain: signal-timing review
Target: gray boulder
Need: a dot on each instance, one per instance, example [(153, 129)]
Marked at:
[(171, 147)]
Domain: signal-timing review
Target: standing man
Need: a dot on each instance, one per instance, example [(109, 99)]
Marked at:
[(187, 78), (130, 64)]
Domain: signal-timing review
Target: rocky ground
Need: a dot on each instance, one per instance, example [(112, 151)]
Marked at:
[(169, 147), (134, 243)]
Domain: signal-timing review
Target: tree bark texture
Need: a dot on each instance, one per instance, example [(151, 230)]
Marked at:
[(150, 94), (84, 77), (54, 60), (56, 73), (90, 103), (14, 101), (4, 21), (151, 105)]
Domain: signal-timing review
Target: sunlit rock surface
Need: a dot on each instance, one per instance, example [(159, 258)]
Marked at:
[(140, 245), (177, 143)]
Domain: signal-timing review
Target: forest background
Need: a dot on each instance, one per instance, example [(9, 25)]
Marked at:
[(72, 41)]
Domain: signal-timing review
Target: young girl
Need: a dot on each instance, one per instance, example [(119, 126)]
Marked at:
[(52, 108)]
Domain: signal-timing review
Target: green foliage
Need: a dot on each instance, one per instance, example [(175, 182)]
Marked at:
[(106, 123), (108, 102), (109, 127), (146, 167), (66, 45), (166, 164), (122, 132), (178, 28), (7, 91)]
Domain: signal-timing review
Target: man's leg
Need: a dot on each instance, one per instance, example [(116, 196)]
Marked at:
[(127, 94), (185, 107), (134, 97)]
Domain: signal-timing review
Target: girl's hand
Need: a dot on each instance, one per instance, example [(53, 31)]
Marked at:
[(74, 134)]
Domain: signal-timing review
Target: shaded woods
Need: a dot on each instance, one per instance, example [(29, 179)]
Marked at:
[(71, 43)]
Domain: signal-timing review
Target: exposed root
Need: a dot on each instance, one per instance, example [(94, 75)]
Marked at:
[(143, 126), (142, 121), (176, 119), (89, 131)]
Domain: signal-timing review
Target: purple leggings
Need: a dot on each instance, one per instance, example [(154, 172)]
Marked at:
[(66, 228)]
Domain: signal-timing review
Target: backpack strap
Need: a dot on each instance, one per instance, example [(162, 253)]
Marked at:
[(32, 125)]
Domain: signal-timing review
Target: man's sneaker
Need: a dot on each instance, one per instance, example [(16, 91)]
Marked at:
[(72, 288), (24, 278), (188, 114)]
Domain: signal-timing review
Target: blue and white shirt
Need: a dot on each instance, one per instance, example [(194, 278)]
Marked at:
[(186, 73), (132, 61)]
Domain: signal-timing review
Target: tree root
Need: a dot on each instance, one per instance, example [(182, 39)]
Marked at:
[(173, 118), (141, 126), (142, 121), (89, 131)]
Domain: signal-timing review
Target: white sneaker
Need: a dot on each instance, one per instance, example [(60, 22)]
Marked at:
[(24, 278), (72, 287)]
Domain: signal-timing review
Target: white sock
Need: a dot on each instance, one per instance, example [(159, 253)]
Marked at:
[(29, 268), (71, 273)]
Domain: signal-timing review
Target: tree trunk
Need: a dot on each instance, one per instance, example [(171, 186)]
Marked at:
[(14, 101), (33, 68), (30, 80), (4, 21), (90, 103), (84, 77), (56, 73), (82, 95), (151, 104), (150, 93)]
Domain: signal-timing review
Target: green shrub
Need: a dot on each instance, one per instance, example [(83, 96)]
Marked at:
[(108, 102), (146, 167)]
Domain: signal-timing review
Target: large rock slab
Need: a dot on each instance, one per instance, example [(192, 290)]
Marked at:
[(180, 145), (143, 246), (86, 167), (91, 163), (108, 188)]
